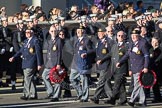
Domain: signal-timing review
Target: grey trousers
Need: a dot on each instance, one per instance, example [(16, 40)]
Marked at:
[(138, 90), (29, 84), (80, 84), (51, 89)]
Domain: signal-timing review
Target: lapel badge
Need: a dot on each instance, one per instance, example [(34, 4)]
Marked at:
[(104, 51), (54, 48), (138, 52)]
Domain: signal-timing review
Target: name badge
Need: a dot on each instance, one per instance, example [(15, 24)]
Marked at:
[(135, 49), (81, 48)]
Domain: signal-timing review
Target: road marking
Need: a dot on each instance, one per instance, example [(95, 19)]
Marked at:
[(36, 104)]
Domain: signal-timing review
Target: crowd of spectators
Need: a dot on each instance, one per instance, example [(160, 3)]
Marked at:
[(103, 8)]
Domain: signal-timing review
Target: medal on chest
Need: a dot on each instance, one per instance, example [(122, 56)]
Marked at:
[(104, 51), (138, 52), (120, 53), (54, 48), (31, 50)]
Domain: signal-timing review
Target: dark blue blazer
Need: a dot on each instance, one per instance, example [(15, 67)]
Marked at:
[(103, 50), (31, 54), (84, 46), (139, 60), (53, 56)]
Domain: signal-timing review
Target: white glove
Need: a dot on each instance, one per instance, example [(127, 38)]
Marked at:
[(3, 51), (11, 49)]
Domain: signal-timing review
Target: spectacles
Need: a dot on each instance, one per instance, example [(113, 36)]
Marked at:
[(120, 35), (28, 32), (52, 31)]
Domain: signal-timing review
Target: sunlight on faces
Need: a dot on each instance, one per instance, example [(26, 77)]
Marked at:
[(53, 31), (101, 35), (154, 43), (120, 36), (79, 32), (28, 33), (134, 37)]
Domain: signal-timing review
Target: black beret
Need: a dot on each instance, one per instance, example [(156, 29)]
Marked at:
[(101, 30), (135, 32), (81, 27)]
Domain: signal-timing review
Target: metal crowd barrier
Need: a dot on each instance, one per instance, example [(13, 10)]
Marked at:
[(71, 24)]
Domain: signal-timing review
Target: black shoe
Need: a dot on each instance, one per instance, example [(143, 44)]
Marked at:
[(13, 87), (48, 96), (94, 101), (54, 100), (121, 103), (111, 101), (66, 95), (32, 98), (8, 81), (24, 98), (4, 84), (83, 100), (156, 101), (131, 104), (129, 94), (141, 104)]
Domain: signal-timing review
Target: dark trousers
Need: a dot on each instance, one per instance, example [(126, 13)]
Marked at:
[(104, 85), (5, 65), (17, 68), (119, 87), (156, 91), (66, 86)]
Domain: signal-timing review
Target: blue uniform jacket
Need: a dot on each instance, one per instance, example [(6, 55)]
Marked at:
[(31, 54), (103, 50), (82, 46), (138, 59)]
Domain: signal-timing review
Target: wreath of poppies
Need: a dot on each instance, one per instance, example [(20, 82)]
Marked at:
[(57, 76), (147, 80)]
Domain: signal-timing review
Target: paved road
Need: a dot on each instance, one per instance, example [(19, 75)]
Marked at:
[(12, 100)]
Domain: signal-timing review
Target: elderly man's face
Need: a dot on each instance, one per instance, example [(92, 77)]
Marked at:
[(109, 31), (120, 36), (79, 32), (53, 31), (28, 33), (134, 37), (101, 35)]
